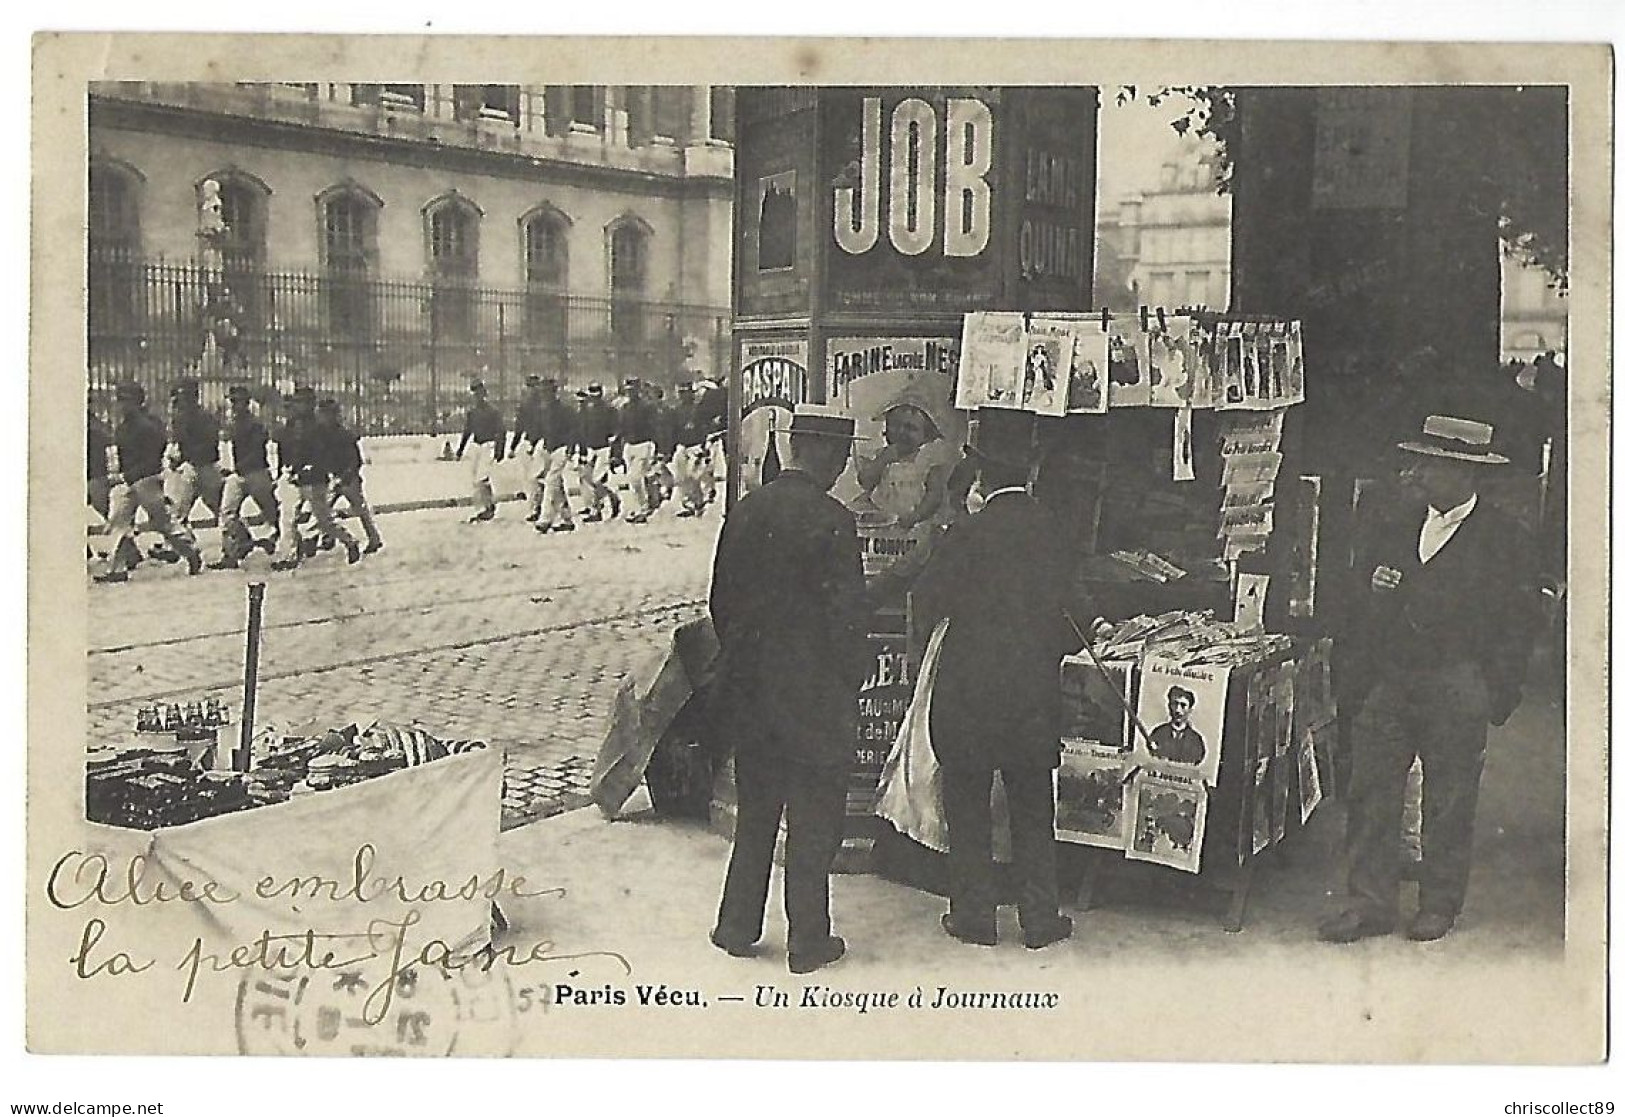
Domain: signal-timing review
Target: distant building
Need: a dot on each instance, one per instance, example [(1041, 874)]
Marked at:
[(1169, 245), (397, 239), (1534, 316)]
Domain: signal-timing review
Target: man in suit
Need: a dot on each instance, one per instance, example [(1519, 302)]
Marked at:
[(1438, 654), (787, 600), (1174, 740), (1000, 577)]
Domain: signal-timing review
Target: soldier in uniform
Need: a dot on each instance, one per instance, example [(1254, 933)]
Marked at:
[(305, 474), (688, 461), (595, 431), (482, 426), (196, 436), (557, 432), (787, 599), (340, 449), (529, 445), (140, 439), (249, 476), (637, 429)]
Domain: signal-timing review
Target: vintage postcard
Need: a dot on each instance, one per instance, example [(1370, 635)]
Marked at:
[(494, 621)]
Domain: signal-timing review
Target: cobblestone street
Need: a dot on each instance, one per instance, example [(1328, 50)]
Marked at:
[(485, 631)]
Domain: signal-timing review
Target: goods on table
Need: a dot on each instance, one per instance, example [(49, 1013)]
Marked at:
[(152, 787)]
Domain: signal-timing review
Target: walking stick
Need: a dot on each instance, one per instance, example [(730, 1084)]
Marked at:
[(1117, 694), (243, 754)]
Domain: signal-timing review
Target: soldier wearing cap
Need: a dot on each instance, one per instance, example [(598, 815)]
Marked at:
[(637, 428), (305, 475), (196, 437), (529, 445), (482, 426), (1437, 654), (595, 432), (340, 452), (248, 442), (787, 600), (140, 439)]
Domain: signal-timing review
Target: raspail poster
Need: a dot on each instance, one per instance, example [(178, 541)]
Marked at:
[(1169, 819), (898, 391), (1128, 385), (1091, 789), (772, 381), (1094, 702), (992, 360), (1090, 357), (1047, 375), (1182, 709)]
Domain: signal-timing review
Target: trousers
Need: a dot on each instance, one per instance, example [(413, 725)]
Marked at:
[(967, 808), (640, 457), (261, 487), (147, 495), (354, 493), (812, 801), (1442, 716), (595, 489), (191, 482), (316, 498), (689, 466), (554, 502)]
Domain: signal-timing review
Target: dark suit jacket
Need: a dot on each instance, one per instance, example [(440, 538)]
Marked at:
[(1000, 577), (1475, 601), (787, 601), (1180, 746)]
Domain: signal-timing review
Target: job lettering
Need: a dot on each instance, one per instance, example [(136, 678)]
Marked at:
[(910, 203)]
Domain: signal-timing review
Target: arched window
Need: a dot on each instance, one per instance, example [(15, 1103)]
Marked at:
[(245, 204), (452, 225), (629, 238), (348, 218), (545, 233), (114, 260)]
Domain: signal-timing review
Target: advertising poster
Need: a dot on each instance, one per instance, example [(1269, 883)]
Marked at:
[(992, 361), (1093, 702), (1182, 708), (898, 391), (882, 703), (1086, 395), (1309, 789), (1128, 385), (1170, 351), (1169, 819), (772, 381), (1048, 367), (776, 222), (774, 232), (1090, 792)]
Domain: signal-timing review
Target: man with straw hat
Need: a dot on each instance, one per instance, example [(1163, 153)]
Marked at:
[(787, 599), (1437, 655)]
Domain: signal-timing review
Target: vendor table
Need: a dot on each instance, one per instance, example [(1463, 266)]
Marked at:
[(353, 870)]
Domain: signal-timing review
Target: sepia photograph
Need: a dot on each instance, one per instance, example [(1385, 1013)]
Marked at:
[(601, 570)]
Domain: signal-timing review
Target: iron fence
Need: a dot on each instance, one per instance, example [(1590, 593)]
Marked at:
[(398, 355)]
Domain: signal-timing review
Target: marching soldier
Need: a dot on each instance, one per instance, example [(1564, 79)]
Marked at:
[(249, 476), (595, 431), (482, 427), (688, 458), (196, 436), (141, 440), (304, 476), (558, 438), (529, 447), (636, 430), (341, 454)]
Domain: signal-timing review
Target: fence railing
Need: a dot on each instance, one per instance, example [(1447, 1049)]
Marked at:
[(398, 355)]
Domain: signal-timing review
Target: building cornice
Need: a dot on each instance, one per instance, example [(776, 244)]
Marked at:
[(110, 112)]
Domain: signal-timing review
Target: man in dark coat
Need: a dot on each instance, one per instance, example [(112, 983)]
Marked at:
[(1000, 577), (1437, 655), (787, 600), (1175, 740), (140, 439), (483, 427)]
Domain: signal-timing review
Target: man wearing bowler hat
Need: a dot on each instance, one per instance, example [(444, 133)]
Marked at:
[(1000, 579), (1437, 655), (787, 599)]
